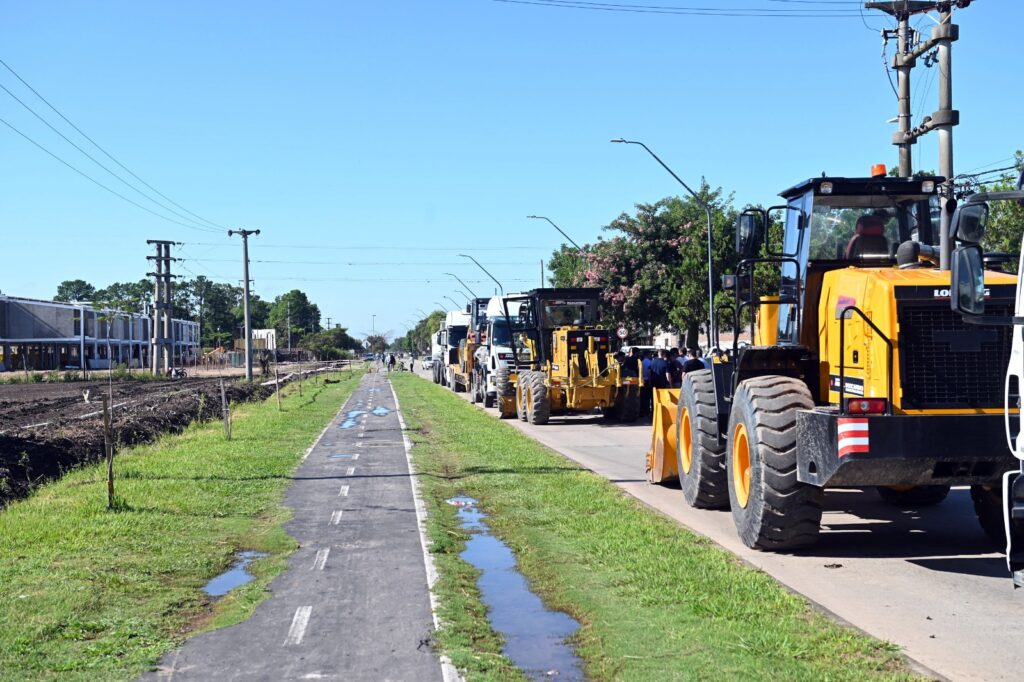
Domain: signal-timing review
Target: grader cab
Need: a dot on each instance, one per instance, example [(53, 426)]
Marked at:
[(571, 366), (860, 374)]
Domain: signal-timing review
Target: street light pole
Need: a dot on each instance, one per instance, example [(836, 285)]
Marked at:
[(712, 328), (500, 288), (458, 306), (462, 283), (560, 231)]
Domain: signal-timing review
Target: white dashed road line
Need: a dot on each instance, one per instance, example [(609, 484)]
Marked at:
[(351, 471), (299, 623), (321, 559), (336, 517), (343, 492)]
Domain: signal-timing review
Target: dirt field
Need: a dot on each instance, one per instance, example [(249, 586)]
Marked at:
[(46, 429)]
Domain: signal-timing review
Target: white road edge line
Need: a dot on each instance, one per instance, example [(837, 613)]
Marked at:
[(336, 516), (298, 629), (448, 671), (321, 559)]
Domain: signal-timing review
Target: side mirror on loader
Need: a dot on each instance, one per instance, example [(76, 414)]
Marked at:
[(749, 232), (967, 294), (970, 222)]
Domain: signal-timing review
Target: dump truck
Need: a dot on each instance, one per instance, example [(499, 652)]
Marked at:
[(860, 374), (1000, 508), (495, 367), (451, 330), (570, 363)]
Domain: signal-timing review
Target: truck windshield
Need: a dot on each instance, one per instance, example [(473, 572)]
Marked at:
[(500, 330), (456, 334)]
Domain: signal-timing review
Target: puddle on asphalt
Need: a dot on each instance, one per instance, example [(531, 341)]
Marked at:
[(236, 576), (381, 411), (350, 419), (534, 636), (340, 456)]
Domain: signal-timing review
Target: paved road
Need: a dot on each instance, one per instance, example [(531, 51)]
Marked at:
[(922, 579), (354, 602)]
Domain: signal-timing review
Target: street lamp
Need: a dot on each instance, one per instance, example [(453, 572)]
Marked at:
[(373, 325), (541, 217), (712, 329), (462, 283), (458, 305), (442, 306), (501, 288), (463, 294), (420, 311)]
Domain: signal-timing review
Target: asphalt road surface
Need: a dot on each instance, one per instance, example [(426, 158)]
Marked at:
[(924, 579), (354, 603)]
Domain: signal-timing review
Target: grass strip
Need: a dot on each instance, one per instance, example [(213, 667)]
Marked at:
[(92, 594), (656, 601)]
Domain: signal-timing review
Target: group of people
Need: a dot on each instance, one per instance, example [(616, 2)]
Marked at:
[(664, 368)]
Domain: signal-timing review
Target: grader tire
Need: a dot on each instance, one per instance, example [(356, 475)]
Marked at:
[(524, 378), (700, 455), (538, 407), (916, 496), (771, 508), (988, 505), (502, 382)]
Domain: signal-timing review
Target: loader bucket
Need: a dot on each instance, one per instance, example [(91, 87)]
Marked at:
[(661, 458)]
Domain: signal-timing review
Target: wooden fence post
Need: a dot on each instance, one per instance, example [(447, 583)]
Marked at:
[(225, 410), (108, 450), (277, 388)]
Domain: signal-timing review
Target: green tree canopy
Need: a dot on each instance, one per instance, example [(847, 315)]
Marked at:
[(75, 290)]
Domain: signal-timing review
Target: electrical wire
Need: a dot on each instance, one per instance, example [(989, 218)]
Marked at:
[(105, 152), (97, 162), (97, 182), (324, 247), (685, 11), (355, 263)]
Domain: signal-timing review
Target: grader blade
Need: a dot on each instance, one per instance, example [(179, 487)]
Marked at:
[(661, 458)]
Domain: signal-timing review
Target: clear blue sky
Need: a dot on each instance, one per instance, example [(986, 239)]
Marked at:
[(414, 130)]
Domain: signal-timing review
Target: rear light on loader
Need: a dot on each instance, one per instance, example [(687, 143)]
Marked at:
[(866, 405)]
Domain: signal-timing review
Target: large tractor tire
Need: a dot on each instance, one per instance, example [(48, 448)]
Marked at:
[(988, 505), (538, 402), (700, 455), (524, 379), (502, 382), (913, 496), (771, 508)]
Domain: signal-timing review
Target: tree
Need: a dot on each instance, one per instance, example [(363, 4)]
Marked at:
[(127, 296), (568, 265), (330, 343), (75, 290), (377, 343), (1006, 218), (303, 314), (653, 271)]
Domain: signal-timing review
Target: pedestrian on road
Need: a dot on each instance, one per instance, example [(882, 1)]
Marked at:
[(646, 394), (661, 371), (391, 362), (675, 368)]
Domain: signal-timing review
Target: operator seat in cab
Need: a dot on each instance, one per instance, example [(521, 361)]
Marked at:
[(869, 240)]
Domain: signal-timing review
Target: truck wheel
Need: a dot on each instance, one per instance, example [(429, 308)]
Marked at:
[(436, 371), (538, 405), (489, 399), (771, 508), (914, 496), (474, 387), (457, 386), (524, 377), (700, 455), (988, 505), (502, 383)]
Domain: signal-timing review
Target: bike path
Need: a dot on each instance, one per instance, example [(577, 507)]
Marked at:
[(354, 603)]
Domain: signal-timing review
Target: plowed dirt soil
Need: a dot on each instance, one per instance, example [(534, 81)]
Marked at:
[(46, 429)]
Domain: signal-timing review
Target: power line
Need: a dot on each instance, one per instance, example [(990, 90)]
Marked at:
[(354, 263), (105, 152), (324, 247), (97, 182), (94, 160), (687, 11)]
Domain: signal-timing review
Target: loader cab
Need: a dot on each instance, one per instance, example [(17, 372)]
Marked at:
[(542, 311), (833, 223)]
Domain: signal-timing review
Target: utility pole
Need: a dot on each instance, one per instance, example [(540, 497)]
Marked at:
[(289, 303), (245, 304), (945, 117), (161, 354)]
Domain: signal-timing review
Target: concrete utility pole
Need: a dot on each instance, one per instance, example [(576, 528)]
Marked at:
[(945, 117), (161, 355), (289, 304), (245, 304)]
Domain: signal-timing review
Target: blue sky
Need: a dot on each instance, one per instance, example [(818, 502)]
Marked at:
[(382, 138)]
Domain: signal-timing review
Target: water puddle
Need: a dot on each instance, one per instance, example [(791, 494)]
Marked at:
[(350, 419), (342, 456), (534, 636), (381, 411), (236, 576)]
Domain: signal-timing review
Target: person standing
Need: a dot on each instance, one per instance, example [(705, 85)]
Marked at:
[(693, 362), (661, 371)]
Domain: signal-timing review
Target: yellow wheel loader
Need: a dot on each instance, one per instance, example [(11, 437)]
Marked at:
[(860, 373)]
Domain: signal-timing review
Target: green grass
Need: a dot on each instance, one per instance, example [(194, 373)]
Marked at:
[(92, 594), (656, 602)]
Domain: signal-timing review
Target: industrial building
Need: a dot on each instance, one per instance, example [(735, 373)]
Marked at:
[(47, 335)]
